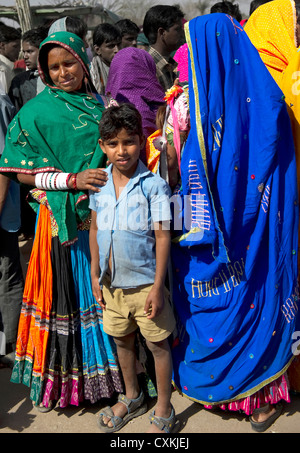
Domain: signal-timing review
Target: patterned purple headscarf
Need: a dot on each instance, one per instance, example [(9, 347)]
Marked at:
[(132, 78)]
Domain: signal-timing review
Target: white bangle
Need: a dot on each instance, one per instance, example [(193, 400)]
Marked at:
[(52, 181), (62, 181), (38, 182)]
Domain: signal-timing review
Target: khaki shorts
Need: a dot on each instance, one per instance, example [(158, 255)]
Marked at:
[(124, 313)]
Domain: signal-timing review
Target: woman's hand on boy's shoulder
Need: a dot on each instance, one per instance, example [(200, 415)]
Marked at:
[(90, 179)]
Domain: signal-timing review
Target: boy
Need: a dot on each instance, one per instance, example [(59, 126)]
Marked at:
[(227, 8), (106, 43), (129, 32), (163, 27), (10, 43), (129, 233), (24, 85)]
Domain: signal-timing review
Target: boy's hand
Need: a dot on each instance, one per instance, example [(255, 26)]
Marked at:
[(97, 292), (155, 302)]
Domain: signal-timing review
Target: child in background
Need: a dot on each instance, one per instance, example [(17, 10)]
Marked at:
[(129, 32), (130, 233), (106, 42), (24, 85)]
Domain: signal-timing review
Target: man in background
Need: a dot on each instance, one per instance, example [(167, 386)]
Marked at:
[(163, 28), (11, 276), (10, 44)]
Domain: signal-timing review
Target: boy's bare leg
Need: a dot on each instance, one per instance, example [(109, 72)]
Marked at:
[(127, 361), (163, 372)]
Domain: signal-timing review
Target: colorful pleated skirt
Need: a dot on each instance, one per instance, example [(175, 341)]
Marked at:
[(62, 351)]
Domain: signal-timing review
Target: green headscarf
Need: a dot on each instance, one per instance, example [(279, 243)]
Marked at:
[(57, 131), (69, 41)]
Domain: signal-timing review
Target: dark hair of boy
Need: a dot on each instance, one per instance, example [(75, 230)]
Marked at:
[(256, 3), (126, 26), (160, 16), (8, 34), (116, 118), (76, 26), (228, 8), (35, 36), (106, 33)]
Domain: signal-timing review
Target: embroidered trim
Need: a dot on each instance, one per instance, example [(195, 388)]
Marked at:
[(241, 395), (27, 171)]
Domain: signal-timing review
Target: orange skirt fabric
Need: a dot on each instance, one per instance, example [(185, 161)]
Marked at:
[(35, 314)]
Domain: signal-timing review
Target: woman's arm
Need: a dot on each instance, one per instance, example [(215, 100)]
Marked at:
[(84, 180), (26, 179)]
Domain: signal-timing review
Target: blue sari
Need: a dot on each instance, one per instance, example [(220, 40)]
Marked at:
[(235, 255)]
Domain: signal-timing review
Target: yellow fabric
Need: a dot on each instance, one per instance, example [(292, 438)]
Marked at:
[(272, 30), (290, 85), (152, 153)]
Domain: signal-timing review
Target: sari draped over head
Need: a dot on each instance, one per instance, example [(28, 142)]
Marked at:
[(272, 30), (132, 78), (37, 143), (234, 250)]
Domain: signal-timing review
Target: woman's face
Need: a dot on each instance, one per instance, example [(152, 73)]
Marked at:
[(65, 71)]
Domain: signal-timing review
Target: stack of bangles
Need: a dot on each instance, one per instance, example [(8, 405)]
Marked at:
[(56, 181)]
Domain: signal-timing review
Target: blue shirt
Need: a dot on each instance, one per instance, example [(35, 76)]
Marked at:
[(10, 218), (125, 226)]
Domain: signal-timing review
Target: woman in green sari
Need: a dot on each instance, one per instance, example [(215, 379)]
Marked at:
[(52, 145)]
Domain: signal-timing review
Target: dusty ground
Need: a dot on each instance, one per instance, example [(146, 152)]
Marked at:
[(17, 415)]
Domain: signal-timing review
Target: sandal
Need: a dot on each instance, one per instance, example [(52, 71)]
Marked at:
[(168, 425), (135, 407), (260, 427), (41, 408)]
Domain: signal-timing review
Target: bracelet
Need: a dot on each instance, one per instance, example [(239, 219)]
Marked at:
[(68, 179), (38, 180), (52, 181), (62, 181), (74, 180), (51, 176), (55, 181)]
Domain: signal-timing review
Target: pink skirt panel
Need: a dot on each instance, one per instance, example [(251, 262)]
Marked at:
[(271, 393)]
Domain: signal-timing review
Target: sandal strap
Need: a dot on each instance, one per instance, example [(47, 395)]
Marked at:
[(164, 424), (262, 409), (131, 404), (114, 419)]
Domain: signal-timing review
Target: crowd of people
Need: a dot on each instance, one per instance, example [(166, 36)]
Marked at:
[(156, 168)]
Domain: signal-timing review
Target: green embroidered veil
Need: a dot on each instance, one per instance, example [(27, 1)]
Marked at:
[(58, 131)]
